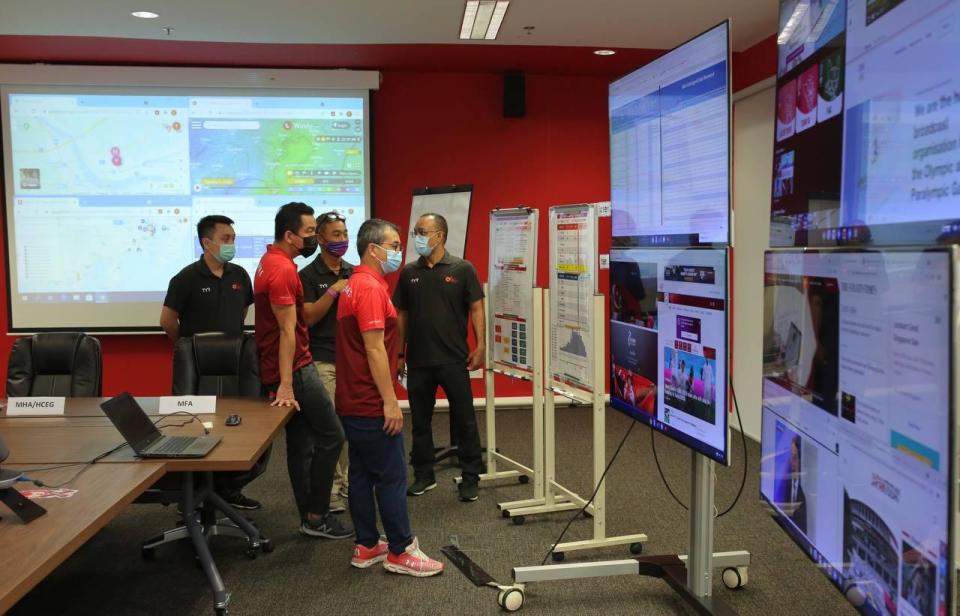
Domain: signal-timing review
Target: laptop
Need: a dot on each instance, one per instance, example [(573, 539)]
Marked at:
[(143, 436)]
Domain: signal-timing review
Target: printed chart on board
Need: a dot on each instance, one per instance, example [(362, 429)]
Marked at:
[(573, 282), (513, 241)]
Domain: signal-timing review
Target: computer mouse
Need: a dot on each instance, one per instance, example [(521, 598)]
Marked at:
[(233, 420)]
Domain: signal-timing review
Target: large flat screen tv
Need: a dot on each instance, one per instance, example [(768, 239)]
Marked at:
[(867, 105), (670, 147), (858, 430)]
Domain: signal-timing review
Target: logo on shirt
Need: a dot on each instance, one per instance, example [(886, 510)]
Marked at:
[(450, 280), (206, 289), (236, 286), (322, 285), (414, 280)]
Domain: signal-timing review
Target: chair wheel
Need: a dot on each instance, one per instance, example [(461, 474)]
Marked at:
[(734, 577), (220, 611), (523, 479), (519, 520), (510, 599), (636, 548), (266, 546), (148, 554), (251, 553), (557, 556)]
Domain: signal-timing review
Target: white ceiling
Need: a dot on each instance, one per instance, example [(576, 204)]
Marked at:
[(652, 24)]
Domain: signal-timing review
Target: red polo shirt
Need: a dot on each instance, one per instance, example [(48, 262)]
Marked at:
[(277, 283), (364, 306)]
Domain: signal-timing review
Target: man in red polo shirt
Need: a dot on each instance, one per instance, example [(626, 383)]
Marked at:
[(314, 434), (367, 350)]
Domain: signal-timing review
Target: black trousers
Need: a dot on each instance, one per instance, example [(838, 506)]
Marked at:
[(314, 439), (422, 386)]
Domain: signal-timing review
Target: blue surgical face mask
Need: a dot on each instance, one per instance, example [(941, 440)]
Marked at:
[(422, 244), (227, 253), (393, 262)]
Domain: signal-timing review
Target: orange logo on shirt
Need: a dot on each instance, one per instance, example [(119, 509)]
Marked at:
[(450, 280), (236, 286)]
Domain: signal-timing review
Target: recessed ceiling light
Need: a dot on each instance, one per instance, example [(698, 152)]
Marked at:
[(145, 14), (604, 52), (482, 19)]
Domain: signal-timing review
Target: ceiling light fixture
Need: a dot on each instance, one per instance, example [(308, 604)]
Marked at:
[(604, 52), (482, 19), (145, 14)]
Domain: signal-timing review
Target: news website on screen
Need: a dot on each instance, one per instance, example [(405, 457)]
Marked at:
[(669, 343), (855, 443)]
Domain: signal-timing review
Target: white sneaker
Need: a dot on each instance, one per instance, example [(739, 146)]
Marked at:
[(412, 562)]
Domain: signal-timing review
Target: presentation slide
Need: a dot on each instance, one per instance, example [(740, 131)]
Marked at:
[(855, 445), (106, 190), (670, 147), (668, 343), (865, 150)]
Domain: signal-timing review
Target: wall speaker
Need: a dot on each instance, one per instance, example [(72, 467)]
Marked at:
[(514, 95)]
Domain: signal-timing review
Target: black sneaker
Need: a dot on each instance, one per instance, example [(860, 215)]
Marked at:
[(468, 491), (328, 527), (421, 485), (239, 501)]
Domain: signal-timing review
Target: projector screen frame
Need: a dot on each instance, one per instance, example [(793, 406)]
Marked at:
[(168, 81)]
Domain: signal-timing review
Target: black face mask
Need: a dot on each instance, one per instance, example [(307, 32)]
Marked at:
[(309, 246)]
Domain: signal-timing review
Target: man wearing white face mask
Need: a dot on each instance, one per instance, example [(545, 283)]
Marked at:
[(368, 343), (437, 295)]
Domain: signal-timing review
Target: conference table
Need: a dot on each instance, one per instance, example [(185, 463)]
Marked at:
[(84, 433)]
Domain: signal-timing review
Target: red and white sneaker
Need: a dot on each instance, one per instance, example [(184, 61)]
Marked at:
[(363, 557), (412, 562)]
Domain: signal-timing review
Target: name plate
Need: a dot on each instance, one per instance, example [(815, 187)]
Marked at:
[(198, 405), (39, 405)]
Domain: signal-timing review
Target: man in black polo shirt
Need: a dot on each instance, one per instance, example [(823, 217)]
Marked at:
[(435, 297), (322, 282), (212, 295)]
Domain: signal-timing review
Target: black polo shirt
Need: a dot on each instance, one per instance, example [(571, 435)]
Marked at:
[(206, 303), (316, 279), (437, 301)]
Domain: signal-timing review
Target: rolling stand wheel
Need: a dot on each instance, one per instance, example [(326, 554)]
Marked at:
[(266, 546), (148, 554), (636, 548), (523, 479), (557, 556), (252, 552), (519, 520), (510, 600), (220, 611), (735, 577)]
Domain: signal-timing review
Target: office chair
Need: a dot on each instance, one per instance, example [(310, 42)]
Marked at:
[(55, 364), (211, 364)]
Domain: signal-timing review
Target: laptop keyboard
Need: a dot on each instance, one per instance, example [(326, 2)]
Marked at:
[(174, 444)]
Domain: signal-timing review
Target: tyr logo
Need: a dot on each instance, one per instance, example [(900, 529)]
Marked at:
[(206, 289)]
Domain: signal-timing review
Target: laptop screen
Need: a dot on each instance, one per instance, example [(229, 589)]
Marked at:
[(131, 420)]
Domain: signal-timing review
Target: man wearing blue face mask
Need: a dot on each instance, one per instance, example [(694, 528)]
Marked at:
[(212, 294), (436, 296), (323, 280)]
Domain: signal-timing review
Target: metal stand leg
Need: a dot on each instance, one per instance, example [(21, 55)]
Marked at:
[(199, 540)]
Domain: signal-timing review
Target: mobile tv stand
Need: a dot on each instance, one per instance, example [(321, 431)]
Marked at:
[(690, 576)]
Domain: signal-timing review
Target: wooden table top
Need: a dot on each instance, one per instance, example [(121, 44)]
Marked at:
[(84, 432), (29, 552)]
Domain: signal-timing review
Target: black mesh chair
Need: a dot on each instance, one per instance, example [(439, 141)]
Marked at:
[(65, 364), (212, 364)]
